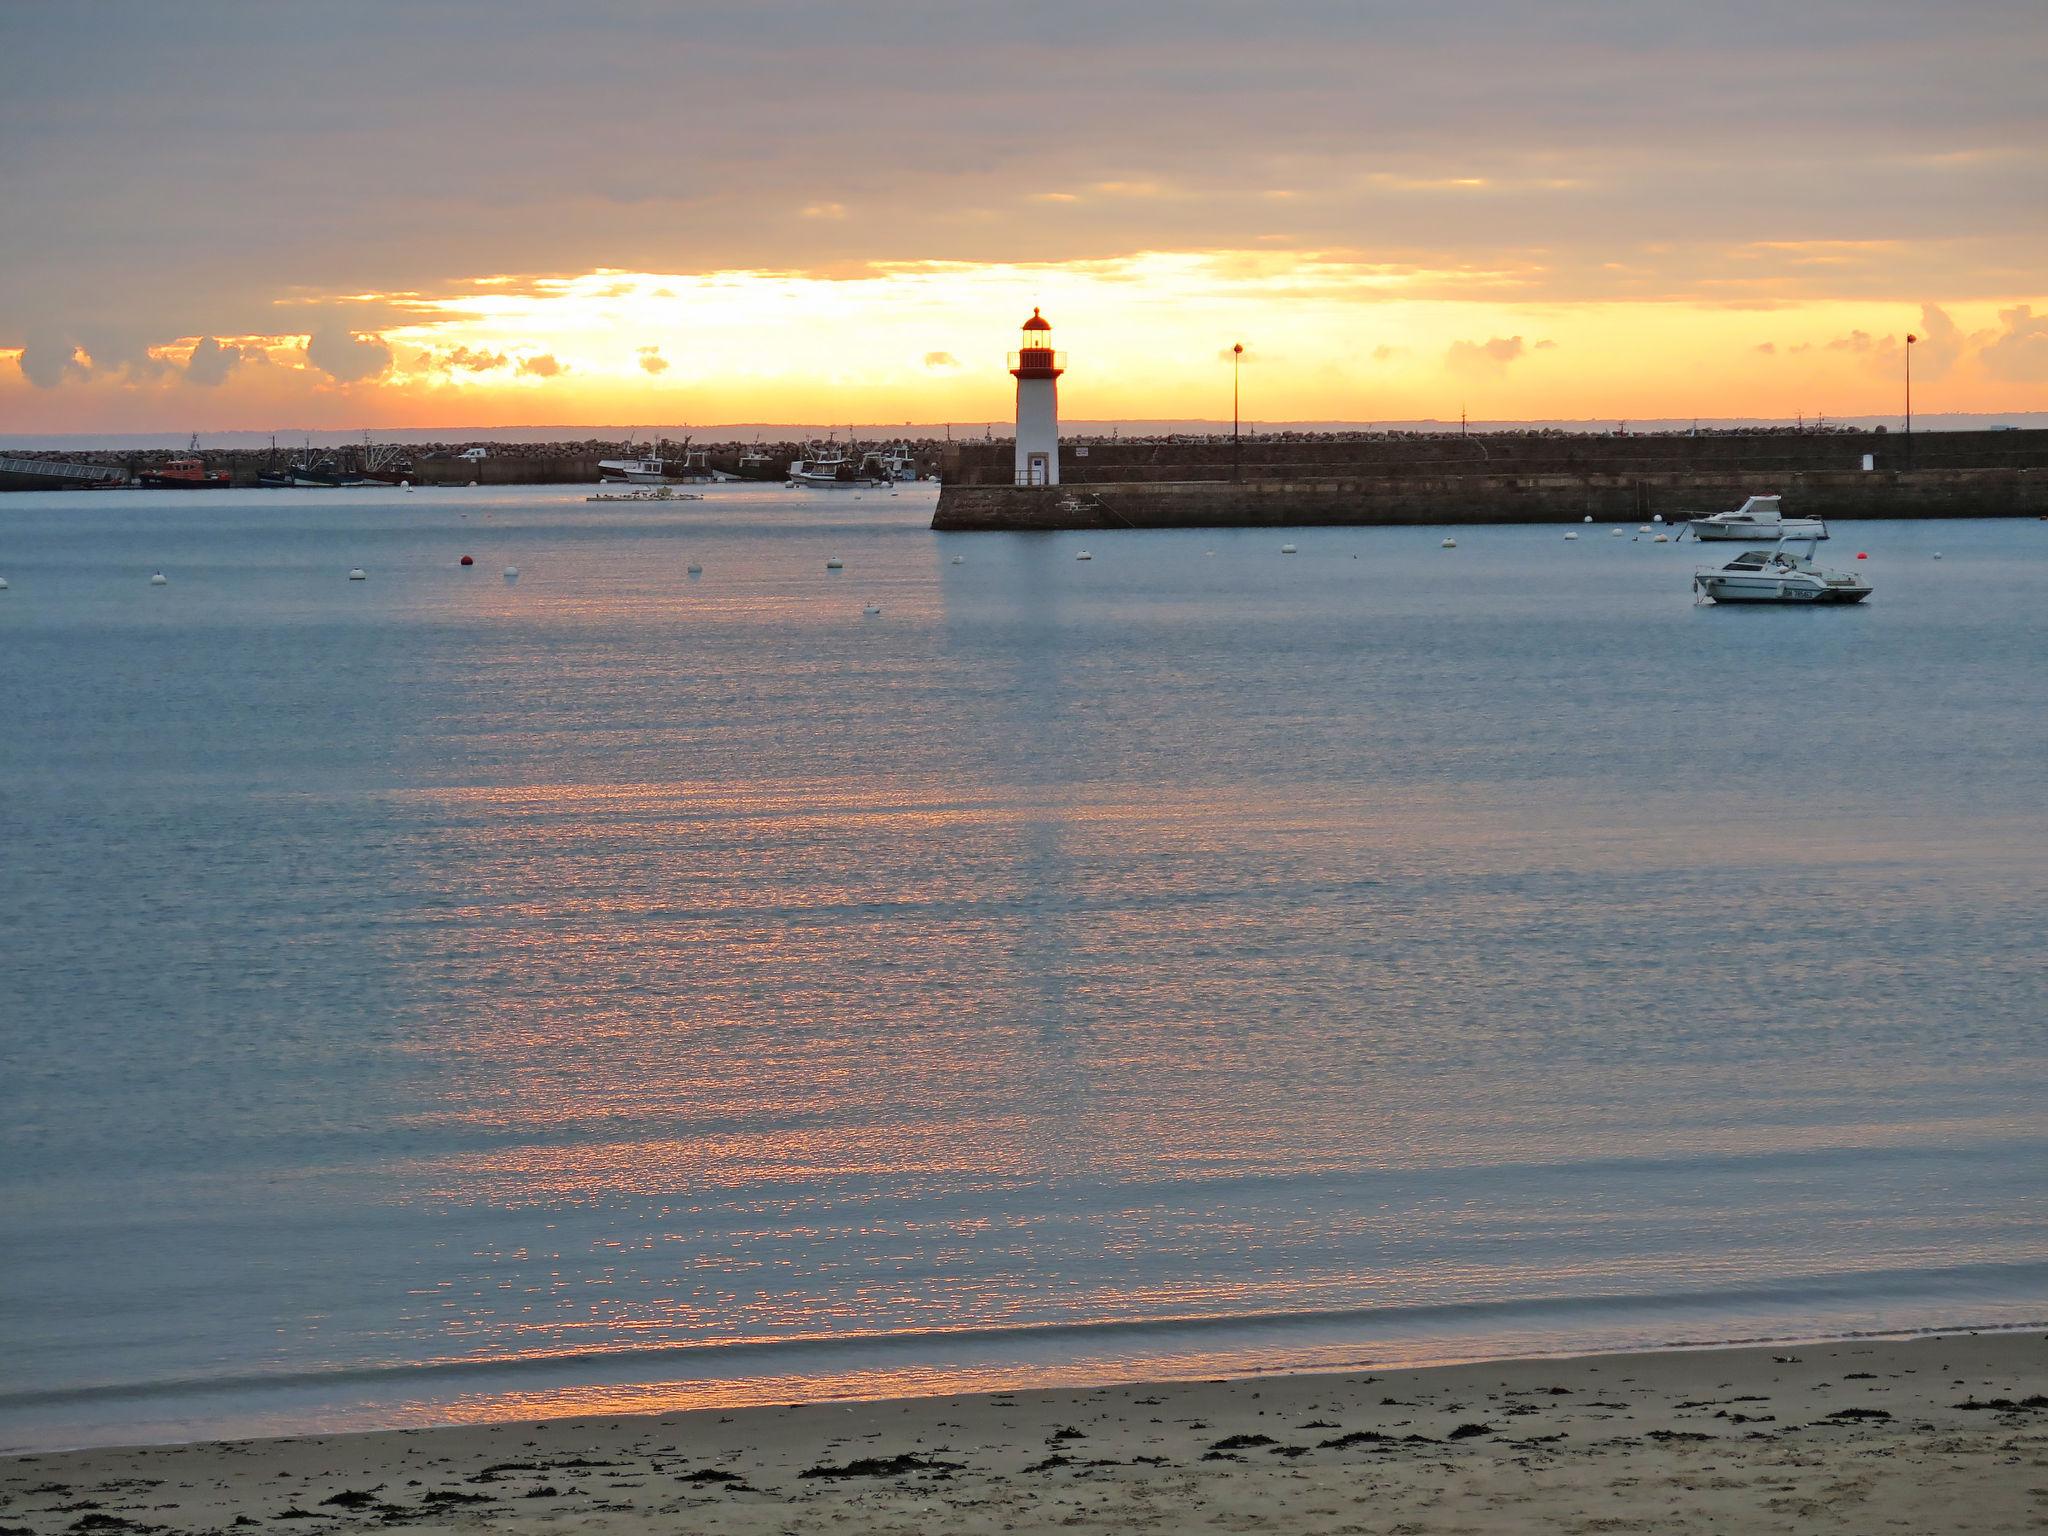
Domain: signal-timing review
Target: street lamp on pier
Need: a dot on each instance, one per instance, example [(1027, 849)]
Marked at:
[(1236, 444), (1910, 339)]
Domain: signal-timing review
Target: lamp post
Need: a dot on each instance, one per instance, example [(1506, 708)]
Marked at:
[(1910, 339), (1236, 444)]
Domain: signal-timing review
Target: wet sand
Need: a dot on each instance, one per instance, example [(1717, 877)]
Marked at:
[(1938, 1434)]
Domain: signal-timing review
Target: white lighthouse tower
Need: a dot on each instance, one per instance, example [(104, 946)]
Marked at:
[(1036, 368)]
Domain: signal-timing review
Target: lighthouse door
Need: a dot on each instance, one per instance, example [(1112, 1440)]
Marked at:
[(1035, 470)]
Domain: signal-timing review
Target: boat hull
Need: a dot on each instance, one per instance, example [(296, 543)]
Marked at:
[(1753, 533), (1754, 590)]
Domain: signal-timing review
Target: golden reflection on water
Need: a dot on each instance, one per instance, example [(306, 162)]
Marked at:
[(800, 1059)]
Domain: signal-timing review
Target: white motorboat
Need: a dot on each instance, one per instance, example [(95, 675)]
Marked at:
[(1760, 517), (1778, 576)]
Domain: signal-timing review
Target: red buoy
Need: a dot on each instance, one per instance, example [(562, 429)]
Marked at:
[(467, 561), (1861, 556)]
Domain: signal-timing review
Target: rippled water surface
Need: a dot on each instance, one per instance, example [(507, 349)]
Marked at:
[(444, 996)]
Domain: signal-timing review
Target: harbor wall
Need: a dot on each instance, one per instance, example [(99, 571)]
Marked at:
[(1484, 498), (1408, 455)]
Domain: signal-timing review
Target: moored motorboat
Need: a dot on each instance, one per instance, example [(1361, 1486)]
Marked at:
[(1778, 576), (1760, 517)]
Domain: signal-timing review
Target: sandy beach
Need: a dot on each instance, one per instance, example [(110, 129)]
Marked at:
[(1932, 1434)]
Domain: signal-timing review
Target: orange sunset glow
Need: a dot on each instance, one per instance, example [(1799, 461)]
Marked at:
[(1559, 220)]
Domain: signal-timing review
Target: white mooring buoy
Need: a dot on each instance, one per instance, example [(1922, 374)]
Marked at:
[(3, 579), (1658, 518), (1643, 528), (1937, 555), (1571, 535), (1662, 538), (835, 564), (1286, 549), (1589, 517), (1618, 533), (159, 579), (872, 611), (511, 573), (1084, 555), (1450, 544), (959, 559), (358, 574), (696, 570)]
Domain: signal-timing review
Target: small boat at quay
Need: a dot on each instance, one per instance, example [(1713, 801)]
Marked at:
[(182, 475), (187, 474), (1778, 576), (1760, 517), (648, 493)]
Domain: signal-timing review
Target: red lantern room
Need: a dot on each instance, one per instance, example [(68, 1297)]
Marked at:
[(1034, 357)]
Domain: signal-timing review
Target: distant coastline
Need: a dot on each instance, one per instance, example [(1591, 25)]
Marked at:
[(612, 436)]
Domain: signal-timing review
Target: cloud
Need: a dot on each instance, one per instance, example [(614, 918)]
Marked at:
[(1383, 353), (346, 357), (1941, 344), (542, 367), (1483, 356), (652, 360), (943, 362), (1766, 347), (47, 361), (1938, 344), (1546, 346), (825, 210), (2020, 351), (211, 363), (471, 362)]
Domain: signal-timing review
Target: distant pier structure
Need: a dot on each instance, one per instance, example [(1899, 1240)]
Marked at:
[(18, 474), (1037, 368)]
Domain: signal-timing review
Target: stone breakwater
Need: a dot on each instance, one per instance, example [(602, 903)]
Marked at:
[(1483, 498), (1462, 499), (1499, 478)]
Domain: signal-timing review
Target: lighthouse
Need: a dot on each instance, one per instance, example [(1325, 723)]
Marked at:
[(1036, 368)]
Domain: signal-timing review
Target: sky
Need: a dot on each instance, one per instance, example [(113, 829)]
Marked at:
[(271, 215)]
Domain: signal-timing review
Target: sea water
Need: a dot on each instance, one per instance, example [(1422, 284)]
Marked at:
[(445, 997)]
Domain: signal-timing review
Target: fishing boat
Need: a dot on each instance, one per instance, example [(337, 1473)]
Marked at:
[(1778, 576), (652, 469), (385, 464), (1760, 517), (835, 472), (897, 463)]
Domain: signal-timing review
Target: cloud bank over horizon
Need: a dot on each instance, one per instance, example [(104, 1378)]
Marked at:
[(392, 213)]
